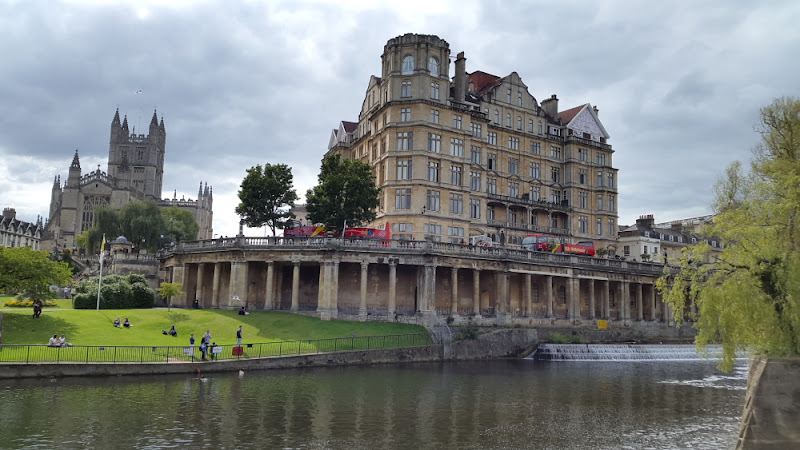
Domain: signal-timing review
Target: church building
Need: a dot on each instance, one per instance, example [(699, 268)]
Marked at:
[(135, 172)]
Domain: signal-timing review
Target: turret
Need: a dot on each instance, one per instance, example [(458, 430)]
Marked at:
[(74, 171)]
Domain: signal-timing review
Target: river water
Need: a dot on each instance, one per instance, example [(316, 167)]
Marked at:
[(464, 405)]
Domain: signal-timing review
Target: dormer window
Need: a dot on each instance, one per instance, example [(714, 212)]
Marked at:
[(433, 66), (408, 65)]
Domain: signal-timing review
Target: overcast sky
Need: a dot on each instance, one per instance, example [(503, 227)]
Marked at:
[(678, 84)]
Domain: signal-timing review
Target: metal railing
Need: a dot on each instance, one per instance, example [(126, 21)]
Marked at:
[(115, 354)]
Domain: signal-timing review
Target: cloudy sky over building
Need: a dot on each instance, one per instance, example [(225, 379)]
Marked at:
[(678, 84)]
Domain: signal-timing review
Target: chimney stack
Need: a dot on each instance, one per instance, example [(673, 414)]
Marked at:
[(460, 81), (550, 106)]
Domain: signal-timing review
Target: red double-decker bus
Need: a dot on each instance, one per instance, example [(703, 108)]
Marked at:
[(548, 243), (356, 232)]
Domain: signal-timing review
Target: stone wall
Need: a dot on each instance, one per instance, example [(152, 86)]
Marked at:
[(771, 416)]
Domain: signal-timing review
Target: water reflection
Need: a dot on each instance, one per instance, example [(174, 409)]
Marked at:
[(497, 404)]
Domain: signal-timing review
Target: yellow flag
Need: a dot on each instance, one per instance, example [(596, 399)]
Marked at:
[(103, 246)]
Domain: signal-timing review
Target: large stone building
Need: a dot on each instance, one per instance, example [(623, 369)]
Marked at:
[(478, 154), (18, 233), (135, 172), (664, 242)]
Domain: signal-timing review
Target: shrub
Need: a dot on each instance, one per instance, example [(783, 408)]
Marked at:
[(118, 292), (470, 330), (29, 303), (558, 338)]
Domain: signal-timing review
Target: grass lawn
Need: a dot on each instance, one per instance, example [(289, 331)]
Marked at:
[(90, 327)]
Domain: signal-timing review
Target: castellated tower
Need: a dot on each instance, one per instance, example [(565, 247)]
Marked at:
[(137, 160)]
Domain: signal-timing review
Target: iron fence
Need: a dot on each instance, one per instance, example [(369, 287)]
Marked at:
[(86, 354)]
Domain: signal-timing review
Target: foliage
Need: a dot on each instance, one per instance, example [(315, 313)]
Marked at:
[(117, 292), (31, 272), (264, 194), (750, 295), (178, 225), (144, 224), (95, 327), (645, 256), (470, 330), (169, 290), (28, 304), (558, 338), (602, 252), (346, 192)]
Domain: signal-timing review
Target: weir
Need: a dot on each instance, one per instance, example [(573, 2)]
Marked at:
[(624, 352)]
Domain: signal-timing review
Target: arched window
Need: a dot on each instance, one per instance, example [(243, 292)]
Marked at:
[(408, 65), (433, 66)]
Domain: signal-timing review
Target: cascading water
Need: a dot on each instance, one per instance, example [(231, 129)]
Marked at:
[(624, 352)]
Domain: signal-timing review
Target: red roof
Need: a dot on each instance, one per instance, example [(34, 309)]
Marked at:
[(483, 81), (567, 116)]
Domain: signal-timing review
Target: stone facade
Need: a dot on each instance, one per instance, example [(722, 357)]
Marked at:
[(664, 242), (478, 154), (772, 405), (135, 172), (414, 282), (17, 233)]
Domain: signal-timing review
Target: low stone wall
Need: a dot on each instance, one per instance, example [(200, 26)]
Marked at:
[(771, 415), (492, 345), (495, 344)]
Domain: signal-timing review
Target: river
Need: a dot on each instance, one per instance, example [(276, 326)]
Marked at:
[(464, 405)]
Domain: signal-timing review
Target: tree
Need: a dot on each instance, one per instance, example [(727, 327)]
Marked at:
[(750, 296), (346, 192), (264, 194), (142, 223), (31, 272), (169, 290), (179, 225)]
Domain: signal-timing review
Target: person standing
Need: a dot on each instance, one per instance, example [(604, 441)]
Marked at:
[(191, 340), (239, 336), (203, 350), (207, 337)]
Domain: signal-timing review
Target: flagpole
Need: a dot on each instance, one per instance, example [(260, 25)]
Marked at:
[(100, 278)]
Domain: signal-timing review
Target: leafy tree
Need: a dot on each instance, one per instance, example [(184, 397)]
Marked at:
[(142, 223), (169, 290), (263, 195), (750, 295), (179, 225), (31, 272), (346, 191)]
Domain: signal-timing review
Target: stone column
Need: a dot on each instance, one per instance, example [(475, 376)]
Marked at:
[(362, 308), (392, 290), (624, 295), (639, 303), (333, 302), (454, 291), (322, 303), (178, 273), (295, 286), (606, 306), (476, 291), (652, 302), (215, 285), (548, 294), (591, 299), (269, 302), (427, 300), (528, 295), (572, 301), (198, 291), (238, 285)]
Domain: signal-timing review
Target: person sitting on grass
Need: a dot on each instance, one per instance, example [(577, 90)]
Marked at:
[(172, 332), (62, 342), (53, 341), (243, 312), (116, 322), (127, 323)]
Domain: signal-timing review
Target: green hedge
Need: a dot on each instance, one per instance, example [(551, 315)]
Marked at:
[(118, 292)]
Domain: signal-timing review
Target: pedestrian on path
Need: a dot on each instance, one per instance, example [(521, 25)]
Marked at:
[(207, 337), (239, 336)]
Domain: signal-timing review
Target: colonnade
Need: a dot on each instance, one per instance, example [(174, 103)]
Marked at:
[(380, 288)]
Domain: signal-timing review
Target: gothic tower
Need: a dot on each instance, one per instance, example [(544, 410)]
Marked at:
[(137, 160)]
